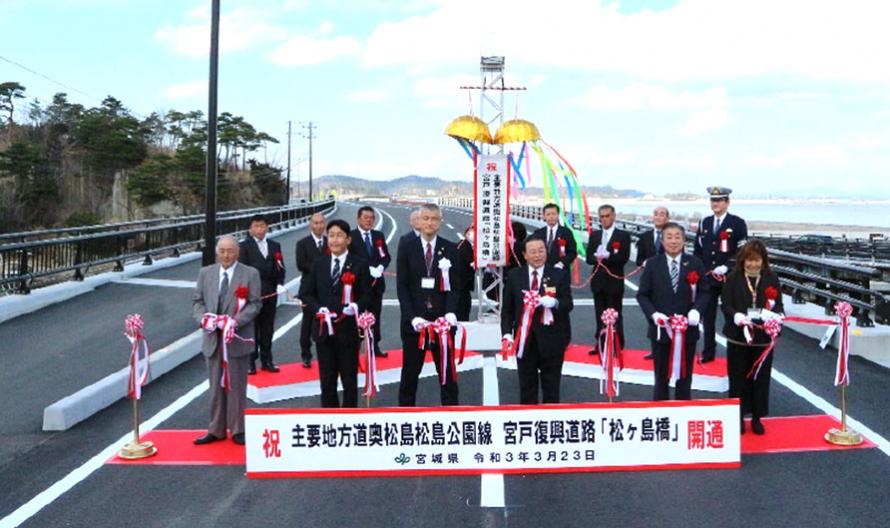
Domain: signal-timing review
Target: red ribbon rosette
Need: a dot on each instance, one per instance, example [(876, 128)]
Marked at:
[(724, 241), (365, 323), (678, 324), (842, 374), (616, 246), (348, 280), (561, 243), (279, 259), (772, 328), (139, 365), (241, 294), (610, 352), (771, 294), (379, 244), (692, 279)]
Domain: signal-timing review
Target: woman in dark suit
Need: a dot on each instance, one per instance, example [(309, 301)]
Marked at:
[(752, 294), (467, 266)]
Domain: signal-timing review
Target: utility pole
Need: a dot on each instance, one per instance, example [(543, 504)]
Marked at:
[(210, 192), (287, 196), (309, 133)]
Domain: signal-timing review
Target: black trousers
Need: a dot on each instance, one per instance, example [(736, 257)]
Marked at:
[(535, 369), (376, 308), (464, 303), (306, 335), (264, 328), (709, 320), (412, 364), (662, 356), (602, 301), (753, 393), (338, 359)]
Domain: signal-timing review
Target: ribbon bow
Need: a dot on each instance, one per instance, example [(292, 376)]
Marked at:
[(842, 374), (139, 365), (440, 331), (609, 353), (365, 322), (676, 328), (530, 301), (772, 327), (445, 283), (226, 325)]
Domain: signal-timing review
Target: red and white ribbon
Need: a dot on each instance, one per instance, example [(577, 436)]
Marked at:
[(365, 323), (326, 318), (772, 327), (139, 365), (226, 325), (348, 279), (561, 243), (676, 329), (445, 283), (547, 312), (724, 241), (379, 244), (530, 301), (842, 372), (610, 353), (279, 260), (692, 279), (439, 331)]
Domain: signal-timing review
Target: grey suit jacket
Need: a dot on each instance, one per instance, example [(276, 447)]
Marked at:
[(206, 299)]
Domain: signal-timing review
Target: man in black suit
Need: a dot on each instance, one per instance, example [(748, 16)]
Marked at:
[(719, 237), (259, 252), (308, 249), (545, 344), (326, 293), (649, 243), (371, 244), (414, 220), (561, 247), (665, 291), (427, 281), (611, 247)]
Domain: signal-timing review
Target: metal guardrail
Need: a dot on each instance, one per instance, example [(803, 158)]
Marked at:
[(23, 262), (820, 280)]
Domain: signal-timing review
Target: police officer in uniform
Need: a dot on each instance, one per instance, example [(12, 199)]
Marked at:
[(719, 237)]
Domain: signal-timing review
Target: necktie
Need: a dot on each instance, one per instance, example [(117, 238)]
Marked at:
[(535, 280), (658, 247), (335, 273), (549, 238), (368, 242), (428, 258), (264, 249), (716, 225), (321, 244), (675, 274), (223, 289)]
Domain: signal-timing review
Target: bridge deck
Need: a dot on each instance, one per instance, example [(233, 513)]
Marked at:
[(53, 352)]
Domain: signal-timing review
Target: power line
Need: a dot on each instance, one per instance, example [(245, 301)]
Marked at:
[(50, 79)]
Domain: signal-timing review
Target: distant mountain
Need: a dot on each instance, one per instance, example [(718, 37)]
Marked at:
[(414, 185)]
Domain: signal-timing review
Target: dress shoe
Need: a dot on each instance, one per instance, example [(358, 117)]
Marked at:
[(381, 353), (757, 427), (742, 426), (593, 351), (649, 356), (307, 363), (238, 438), (704, 360), (251, 370), (207, 439), (270, 367)]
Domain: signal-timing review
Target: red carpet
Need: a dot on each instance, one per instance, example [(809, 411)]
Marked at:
[(784, 434), (295, 373), (175, 448), (633, 359), (788, 434)]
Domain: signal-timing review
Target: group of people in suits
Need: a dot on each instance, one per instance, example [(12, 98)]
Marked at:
[(343, 275)]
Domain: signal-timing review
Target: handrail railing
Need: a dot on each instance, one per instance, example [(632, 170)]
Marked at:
[(23, 262), (804, 277)]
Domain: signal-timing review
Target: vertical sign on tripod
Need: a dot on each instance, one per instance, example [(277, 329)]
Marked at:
[(490, 209)]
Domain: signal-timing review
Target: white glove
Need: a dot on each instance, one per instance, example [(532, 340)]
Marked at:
[(324, 310), (559, 265), (601, 252), (507, 338), (768, 315), (659, 318), (350, 309), (547, 301), (740, 319), (209, 322), (693, 317), (377, 272), (418, 322), (451, 318), (280, 289), (720, 270)]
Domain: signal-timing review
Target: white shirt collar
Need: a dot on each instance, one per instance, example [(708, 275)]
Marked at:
[(341, 258), (540, 274), (317, 238), (678, 258), (417, 232), (260, 240), (230, 271), (433, 242), (721, 218)]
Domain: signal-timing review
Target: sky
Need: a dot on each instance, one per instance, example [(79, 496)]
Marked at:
[(769, 97)]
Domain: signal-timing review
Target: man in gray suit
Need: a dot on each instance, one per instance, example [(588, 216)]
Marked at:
[(226, 301)]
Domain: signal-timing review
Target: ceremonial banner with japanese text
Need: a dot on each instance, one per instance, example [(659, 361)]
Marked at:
[(506, 439), (491, 207)]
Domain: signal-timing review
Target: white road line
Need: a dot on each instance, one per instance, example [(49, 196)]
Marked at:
[(394, 226), (449, 225), (631, 285), (492, 495), (167, 283), (66, 483), (379, 219), (823, 405)]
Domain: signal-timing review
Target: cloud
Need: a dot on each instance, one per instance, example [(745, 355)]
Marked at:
[(694, 161), (309, 51), (186, 90), (819, 156), (695, 40), (241, 28)]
